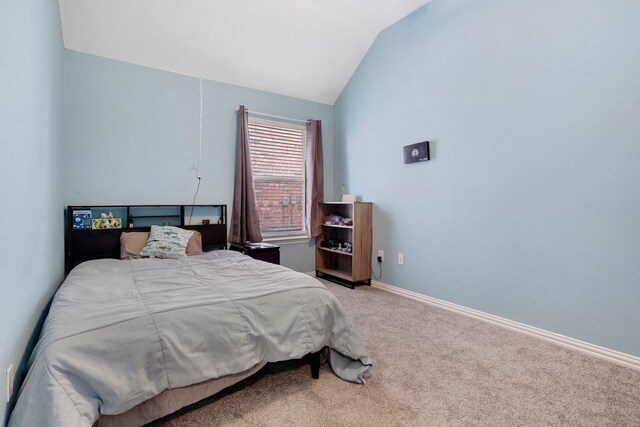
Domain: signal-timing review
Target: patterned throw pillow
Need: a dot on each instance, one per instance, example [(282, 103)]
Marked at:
[(166, 242)]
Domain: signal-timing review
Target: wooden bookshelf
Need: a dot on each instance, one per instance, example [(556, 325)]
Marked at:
[(346, 268)]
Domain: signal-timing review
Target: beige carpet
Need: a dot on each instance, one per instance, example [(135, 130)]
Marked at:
[(432, 368)]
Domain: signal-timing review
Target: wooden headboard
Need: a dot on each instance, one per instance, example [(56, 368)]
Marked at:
[(83, 244)]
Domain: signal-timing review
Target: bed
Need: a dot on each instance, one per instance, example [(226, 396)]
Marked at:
[(129, 341)]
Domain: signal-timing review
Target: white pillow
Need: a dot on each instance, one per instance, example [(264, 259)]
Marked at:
[(166, 242)]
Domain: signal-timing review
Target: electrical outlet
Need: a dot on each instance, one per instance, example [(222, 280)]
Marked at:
[(380, 256), (9, 382), (400, 258)]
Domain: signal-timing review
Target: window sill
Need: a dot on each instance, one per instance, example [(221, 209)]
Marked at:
[(287, 240)]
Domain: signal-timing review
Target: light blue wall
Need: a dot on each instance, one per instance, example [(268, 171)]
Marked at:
[(31, 172), (132, 137), (530, 206)]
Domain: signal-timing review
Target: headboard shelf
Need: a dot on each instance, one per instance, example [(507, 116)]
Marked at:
[(154, 216), (84, 240)]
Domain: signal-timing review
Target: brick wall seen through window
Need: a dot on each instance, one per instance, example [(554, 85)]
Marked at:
[(278, 166)]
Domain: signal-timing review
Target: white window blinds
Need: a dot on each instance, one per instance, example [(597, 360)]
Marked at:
[(278, 166)]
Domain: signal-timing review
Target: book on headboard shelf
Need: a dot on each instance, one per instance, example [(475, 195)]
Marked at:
[(82, 219)]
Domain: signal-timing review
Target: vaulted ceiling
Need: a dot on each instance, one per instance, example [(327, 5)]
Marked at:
[(307, 49)]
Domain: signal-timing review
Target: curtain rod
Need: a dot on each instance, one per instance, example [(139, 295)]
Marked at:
[(257, 113)]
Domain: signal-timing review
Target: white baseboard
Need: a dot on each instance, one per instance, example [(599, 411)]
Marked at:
[(623, 359)]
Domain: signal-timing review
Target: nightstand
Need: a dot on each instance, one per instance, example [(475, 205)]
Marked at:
[(262, 251)]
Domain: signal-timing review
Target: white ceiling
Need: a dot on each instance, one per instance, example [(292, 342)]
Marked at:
[(302, 48)]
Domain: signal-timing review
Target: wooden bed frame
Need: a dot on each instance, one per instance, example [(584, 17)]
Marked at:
[(84, 245)]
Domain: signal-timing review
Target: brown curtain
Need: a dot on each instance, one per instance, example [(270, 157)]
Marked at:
[(245, 225), (315, 177)]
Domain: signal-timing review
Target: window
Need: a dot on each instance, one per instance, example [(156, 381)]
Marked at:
[(278, 166)]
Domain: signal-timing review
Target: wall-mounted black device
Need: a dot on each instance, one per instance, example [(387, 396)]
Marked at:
[(417, 152)]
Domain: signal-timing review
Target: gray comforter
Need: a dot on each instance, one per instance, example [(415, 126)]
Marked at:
[(121, 332)]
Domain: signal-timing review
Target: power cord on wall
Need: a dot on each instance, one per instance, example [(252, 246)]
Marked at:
[(379, 265), (194, 198), (197, 169)]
